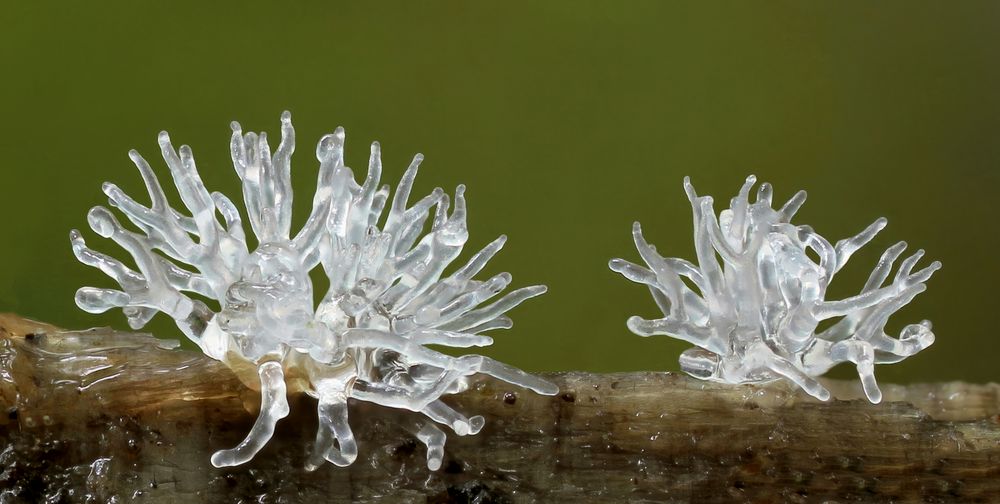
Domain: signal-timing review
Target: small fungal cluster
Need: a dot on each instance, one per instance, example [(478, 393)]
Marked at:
[(367, 339), (753, 316)]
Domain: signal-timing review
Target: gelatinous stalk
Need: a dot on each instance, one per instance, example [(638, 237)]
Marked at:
[(334, 439), (273, 407), (434, 439)]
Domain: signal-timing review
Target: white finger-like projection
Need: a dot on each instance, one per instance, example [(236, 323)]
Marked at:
[(367, 339), (753, 316)]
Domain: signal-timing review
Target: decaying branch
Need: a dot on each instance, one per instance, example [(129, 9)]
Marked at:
[(104, 416)]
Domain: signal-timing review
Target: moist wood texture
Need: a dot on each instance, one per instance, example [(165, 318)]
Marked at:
[(104, 416)]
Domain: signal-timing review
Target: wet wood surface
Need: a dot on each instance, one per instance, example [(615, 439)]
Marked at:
[(104, 416)]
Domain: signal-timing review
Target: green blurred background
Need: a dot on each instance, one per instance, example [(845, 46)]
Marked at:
[(568, 120)]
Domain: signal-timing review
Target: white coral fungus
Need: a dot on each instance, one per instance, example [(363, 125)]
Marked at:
[(367, 339), (754, 316)]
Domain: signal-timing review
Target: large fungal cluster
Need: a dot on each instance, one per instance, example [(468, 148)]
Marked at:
[(754, 316), (367, 339)]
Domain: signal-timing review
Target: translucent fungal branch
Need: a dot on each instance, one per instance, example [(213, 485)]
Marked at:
[(367, 339), (753, 315)]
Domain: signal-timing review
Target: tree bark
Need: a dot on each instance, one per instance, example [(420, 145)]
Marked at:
[(106, 416)]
